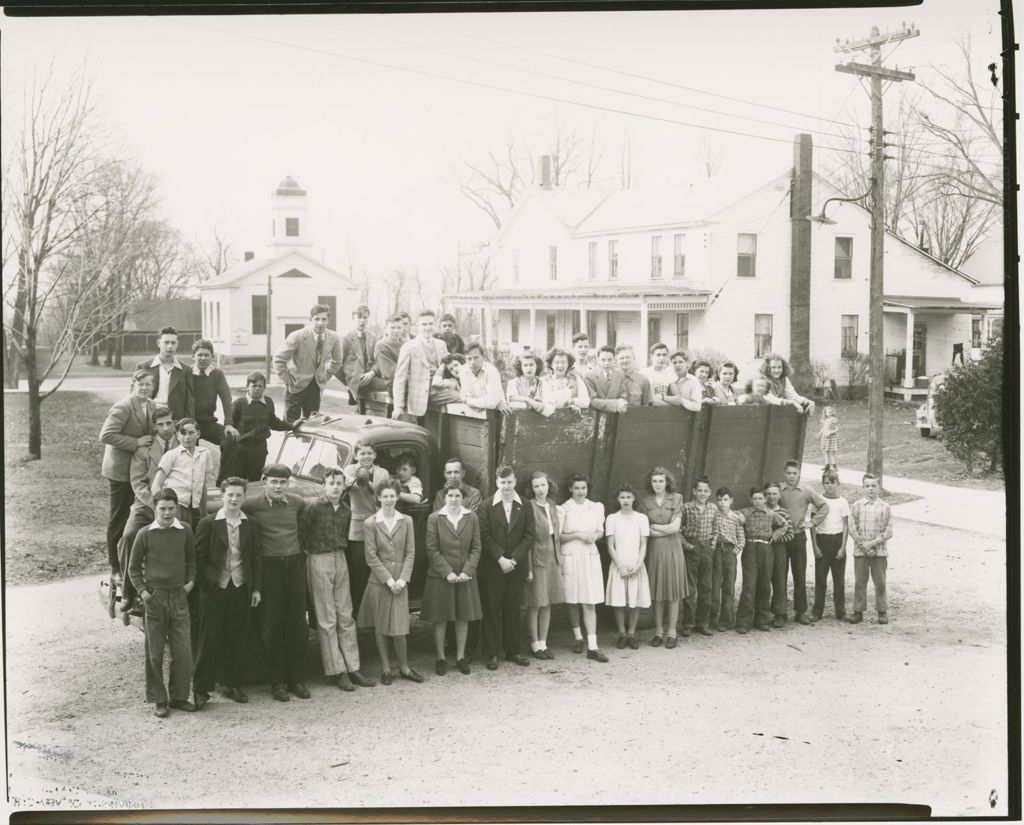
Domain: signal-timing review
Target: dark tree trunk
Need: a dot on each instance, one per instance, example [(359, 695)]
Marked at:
[(94, 356), (119, 350), (108, 360), (35, 422)]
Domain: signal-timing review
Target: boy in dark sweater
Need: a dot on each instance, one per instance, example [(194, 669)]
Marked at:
[(163, 570), (209, 384), (254, 417)]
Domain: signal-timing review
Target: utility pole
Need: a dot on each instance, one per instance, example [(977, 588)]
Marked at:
[(876, 350), (270, 351)]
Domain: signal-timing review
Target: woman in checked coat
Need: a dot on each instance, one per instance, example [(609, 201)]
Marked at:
[(390, 553)]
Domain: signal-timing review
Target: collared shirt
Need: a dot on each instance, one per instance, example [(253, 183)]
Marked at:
[(261, 400), (787, 530), (156, 525), (361, 497), (730, 528), (870, 520), (457, 517), (506, 504), (470, 497), (185, 473), (413, 485), (481, 389), (796, 501), (323, 527), (541, 517), (203, 371), (638, 389), (758, 525), (232, 570), (164, 388), (689, 391), (699, 523), (391, 523)]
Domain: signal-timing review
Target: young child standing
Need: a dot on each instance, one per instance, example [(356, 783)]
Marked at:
[(627, 532), (163, 570), (871, 529), (829, 435), (729, 542), (829, 543)]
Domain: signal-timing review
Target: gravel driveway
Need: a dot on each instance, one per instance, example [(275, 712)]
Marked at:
[(910, 712)]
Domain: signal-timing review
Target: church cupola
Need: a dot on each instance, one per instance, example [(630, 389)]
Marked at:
[(289, 218)]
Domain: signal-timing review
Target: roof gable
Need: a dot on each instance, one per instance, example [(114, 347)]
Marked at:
[(291, 264)]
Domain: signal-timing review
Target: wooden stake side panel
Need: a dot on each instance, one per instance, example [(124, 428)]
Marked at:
[(561, 445)]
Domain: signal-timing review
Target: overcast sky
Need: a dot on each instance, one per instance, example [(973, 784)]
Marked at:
[(221, 108)]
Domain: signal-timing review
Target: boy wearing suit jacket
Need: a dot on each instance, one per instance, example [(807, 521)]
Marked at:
[(606, 384), (418, 360), (304, 363), (172, 383), (229, 568), (506, 534), (357, 364)]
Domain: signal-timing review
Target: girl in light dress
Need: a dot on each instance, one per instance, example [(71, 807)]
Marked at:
[(628, 588), (523, 391), (725, 377), (666, 564), (580, 562), (390, 553), (561, 387), (829, 435), (544, 586)]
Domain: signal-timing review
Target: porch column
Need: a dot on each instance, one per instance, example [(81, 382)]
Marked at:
[(583, 323), (533, 329), (642, 355), (908, 361), (483, 325)]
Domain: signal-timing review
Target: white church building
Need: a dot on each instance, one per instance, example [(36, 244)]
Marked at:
[(238, 313)]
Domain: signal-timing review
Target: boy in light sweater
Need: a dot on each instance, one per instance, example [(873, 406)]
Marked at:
[(163, 570)]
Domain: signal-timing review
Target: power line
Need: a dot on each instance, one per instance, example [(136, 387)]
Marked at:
[(635, 75), (482, 85)]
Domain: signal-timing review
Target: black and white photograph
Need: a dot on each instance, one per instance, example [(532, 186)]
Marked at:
[(518, 413)]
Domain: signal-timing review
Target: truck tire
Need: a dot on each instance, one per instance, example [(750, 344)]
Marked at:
[(925, 432)]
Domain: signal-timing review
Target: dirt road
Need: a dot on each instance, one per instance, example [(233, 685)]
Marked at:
[(910, 712)]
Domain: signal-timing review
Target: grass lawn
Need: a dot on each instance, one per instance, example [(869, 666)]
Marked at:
[(56, 508), (906, 454)]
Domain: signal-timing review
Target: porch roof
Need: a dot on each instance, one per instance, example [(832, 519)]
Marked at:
[(626, 296), (923, 303)]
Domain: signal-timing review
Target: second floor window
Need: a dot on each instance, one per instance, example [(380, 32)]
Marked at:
[(592, 260), (746, 255), (762, 335), (291, 227), (553, 261), (678, 257), (613, 259), (844, 258), (656, 256)]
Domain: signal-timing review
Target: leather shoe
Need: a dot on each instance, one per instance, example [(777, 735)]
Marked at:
[(236, 694), (597, 655), (356, 678), (201, 699), (577, 646), (670, 642), (742, 631), (685, 632), (656, 640), (856, 618), (620, 642), (802, 619), (548, 654), (386, 677), (632, 642), (160, 710), (765, 627), (412, 675), (519, 659), (463, 666), (883, 618), (441, 667), (279, 690), (299, 689), (703, 631), (778, 622), (182, 704), (539, 654), (492, 662), (344, 683)]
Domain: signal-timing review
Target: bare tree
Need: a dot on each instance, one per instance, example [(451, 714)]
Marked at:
[(712, 155), (395, 283), (626, 160), (216, 253)]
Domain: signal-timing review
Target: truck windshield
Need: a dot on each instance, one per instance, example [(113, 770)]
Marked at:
[(294, 450), (322, 456)]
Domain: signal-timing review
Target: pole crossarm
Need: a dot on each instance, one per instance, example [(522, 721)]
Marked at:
[(874, 71), (877, 39)]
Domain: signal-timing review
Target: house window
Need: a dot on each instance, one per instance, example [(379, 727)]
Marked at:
[(678, 258), (592, 260), (762, 335), (613, 333), (259, 315), (975, 333), (515, 326), (653, 331), (515, 264), (551, 319), (995, 326), (331, 302), (844, 258), (848, 342), (656, 256), (682, 331), (613, 259), (291, 227), (746, 255), (553, 262)]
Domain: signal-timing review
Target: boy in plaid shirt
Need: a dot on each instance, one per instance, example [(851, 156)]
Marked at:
[(699, 529), (780, 549), (761, 527), (729, 541), (870, 529)]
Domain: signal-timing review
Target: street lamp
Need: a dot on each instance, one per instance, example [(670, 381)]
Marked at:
[(823, 219)]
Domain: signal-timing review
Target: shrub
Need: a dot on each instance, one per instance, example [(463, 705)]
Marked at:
[(858, 368), (823, 382), (712, 356), (969, 408)]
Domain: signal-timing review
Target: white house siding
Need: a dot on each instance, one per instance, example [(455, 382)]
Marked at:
[(532, 229)]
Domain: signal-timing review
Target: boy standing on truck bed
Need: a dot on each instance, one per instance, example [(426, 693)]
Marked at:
[(418, 360), (797, 501), (638, 387), (871, 529), (386, 350), (209, 385), (481, 383), (606, 384), (357, 358), (304, 363), (506, 534), (254, 416)]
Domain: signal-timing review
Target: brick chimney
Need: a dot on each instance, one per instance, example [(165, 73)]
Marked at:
[(800, 266), (249, 255), (545, 171)]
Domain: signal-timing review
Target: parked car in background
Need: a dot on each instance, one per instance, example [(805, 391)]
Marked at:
[(927, 423)]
